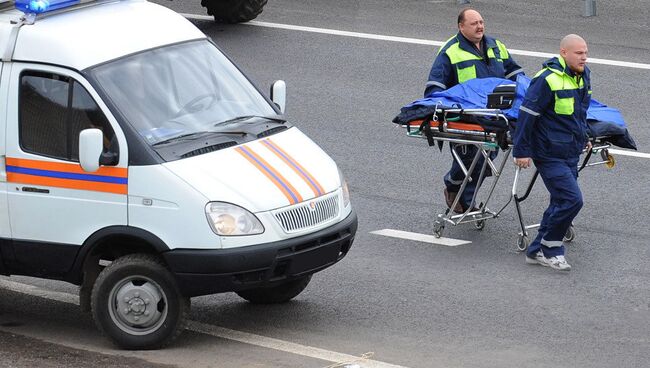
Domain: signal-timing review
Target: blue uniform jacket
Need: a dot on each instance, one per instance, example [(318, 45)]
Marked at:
[(541, 132), (443, 74)]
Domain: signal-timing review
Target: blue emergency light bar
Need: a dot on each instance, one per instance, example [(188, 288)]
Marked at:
[(43, 6)]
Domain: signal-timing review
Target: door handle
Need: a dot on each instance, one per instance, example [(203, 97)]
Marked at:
[(3, 168), (35, 190)]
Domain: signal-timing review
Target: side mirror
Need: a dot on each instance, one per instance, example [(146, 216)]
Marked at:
[(91, 144), (279, 94)]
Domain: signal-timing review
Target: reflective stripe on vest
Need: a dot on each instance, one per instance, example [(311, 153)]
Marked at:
[(457, 55), (502, 50), (560, 81)]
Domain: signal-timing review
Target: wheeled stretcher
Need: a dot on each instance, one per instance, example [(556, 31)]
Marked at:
[(488, 130)]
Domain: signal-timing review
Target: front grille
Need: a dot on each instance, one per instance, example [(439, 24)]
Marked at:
[(308, 214)]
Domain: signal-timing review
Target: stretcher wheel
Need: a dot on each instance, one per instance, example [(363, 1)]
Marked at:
[(480, 224), (608, 158), (438, 227), (570, 235), (522, 243)]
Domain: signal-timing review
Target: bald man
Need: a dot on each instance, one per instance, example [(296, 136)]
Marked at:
[(551, 131), (467, 55)]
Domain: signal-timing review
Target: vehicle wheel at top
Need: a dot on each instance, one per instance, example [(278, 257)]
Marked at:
[(233, 11), (135, 301)]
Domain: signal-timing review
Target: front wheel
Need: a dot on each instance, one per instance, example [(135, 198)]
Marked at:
[(136, 302), (233, 11), (276, 294), (438, 227), (479, 225)]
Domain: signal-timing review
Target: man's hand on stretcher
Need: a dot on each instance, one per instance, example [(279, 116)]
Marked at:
[(524, 162)]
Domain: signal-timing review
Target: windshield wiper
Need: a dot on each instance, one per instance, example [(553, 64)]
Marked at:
[(197, 135), (249, 117), (187, 136)]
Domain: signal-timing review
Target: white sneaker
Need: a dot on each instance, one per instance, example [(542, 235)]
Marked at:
[(537, 259), (558, 263)]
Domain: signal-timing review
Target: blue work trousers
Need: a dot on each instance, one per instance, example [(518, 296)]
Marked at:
[(561, 181), (454, 178)]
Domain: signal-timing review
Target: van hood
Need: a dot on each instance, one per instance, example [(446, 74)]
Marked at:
[(262, 175)]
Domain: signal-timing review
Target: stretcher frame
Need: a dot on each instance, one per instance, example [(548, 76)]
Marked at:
[(437, 129)]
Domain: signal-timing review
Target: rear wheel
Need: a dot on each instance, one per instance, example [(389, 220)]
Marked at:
[(570, 234), (136, 302), (522, 243), (276, 294), (233, 11)]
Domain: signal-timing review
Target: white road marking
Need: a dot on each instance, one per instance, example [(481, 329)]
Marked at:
[(286, 346), (216, 331), (39, 292), (416, 41), (449, 242), (615, 151)]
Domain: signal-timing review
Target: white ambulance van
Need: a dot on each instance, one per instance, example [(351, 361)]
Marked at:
[(137, 162)]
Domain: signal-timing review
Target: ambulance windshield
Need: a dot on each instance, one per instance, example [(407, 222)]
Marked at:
[(179, 91)]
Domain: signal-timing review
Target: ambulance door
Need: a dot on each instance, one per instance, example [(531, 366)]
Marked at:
[(5, 229), (54, 205)]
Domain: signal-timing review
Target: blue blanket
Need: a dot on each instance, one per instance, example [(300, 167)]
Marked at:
[(603, 121)]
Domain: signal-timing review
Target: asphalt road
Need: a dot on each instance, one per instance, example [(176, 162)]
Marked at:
[(21, 351), (416, 304)]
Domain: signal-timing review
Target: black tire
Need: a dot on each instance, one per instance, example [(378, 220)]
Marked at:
[(277, 294), (522, 243), (233, 11), (479, 225), (122, 307)]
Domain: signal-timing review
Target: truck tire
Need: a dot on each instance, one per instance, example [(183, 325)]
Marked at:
[(136, 302), (233, 11), (276, 294)]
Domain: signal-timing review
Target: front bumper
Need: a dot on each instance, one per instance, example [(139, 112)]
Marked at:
[(203, 272)]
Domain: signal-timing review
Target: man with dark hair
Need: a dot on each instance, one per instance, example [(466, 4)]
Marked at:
[(467, 55), (552, 131)]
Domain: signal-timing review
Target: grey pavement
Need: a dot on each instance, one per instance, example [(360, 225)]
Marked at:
[(478, 305), (20, 351), (621, 25)]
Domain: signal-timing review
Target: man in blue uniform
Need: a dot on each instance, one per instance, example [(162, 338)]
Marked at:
[(552, 131), (467, 55)]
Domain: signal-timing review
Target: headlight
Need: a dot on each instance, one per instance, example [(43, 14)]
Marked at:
[(228, 219), (346, 191)]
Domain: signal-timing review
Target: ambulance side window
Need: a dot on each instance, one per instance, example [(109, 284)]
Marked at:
[(53, 110)]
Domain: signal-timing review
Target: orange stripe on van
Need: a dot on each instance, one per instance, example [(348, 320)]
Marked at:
[(273, 175), (67, 183), (296, 167), (65, 167)]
